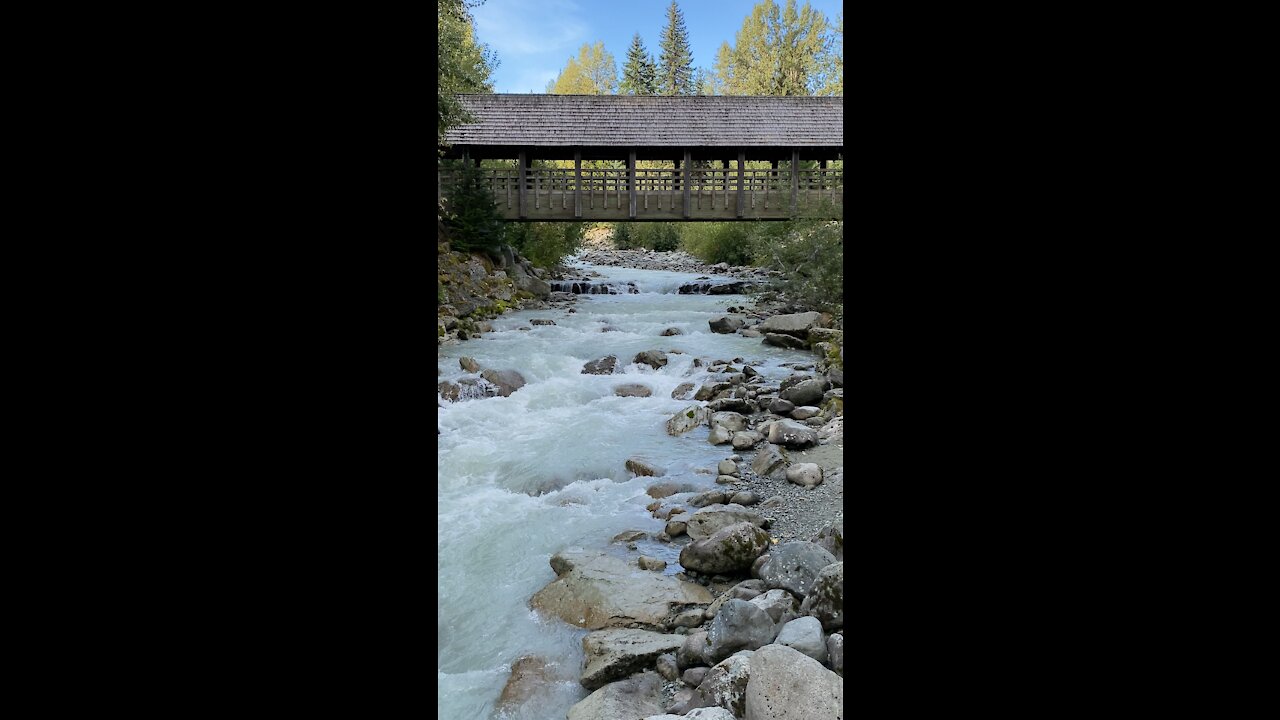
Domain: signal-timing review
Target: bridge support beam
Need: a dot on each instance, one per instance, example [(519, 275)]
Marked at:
[(795, 179), (577, 183), (631, 180), (521, 164), (742, 174), (687, 167)]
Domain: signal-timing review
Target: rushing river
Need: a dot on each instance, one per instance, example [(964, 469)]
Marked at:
[(523, 477)]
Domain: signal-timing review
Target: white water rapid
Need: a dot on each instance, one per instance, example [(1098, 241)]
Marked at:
[(523, 477)]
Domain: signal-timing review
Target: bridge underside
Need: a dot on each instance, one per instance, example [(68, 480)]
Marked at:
[(700, 184)]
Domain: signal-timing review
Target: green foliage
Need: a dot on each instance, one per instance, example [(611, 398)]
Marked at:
[(546, 243), (470, 212), (728, 242), (810, 255), (593, 72), (463, 65), (833, 72), (659, 236), (675, 61), (639, 76), (778, 51)]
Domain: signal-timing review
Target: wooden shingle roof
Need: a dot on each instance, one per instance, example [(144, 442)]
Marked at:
[(672, 121)]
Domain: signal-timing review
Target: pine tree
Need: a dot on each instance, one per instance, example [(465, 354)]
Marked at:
[(675, 63), (639, 76)]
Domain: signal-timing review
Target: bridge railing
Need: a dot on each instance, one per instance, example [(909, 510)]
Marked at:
[(662, 190)]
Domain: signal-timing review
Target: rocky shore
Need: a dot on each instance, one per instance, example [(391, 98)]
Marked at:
[(752, 626)]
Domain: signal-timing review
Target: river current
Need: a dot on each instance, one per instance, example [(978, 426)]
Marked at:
[(523, 477)]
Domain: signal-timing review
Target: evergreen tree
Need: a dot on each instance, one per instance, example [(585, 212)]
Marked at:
[(675, 62), (639, 76)]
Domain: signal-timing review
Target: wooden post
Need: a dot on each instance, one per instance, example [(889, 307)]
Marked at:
[(795, 178), (577, 183), (688, 170), (742, 174), (631, 172), (524, 158)]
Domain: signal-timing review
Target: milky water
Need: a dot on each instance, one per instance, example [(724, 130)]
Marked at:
[(526, 476)]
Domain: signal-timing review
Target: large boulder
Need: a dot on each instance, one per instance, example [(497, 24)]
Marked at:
[(805, 392), (797, 325), (786, 684), (826, 599), (769, 462), (615, 653), (795, 567), (653, 358), (726, 324), (724, 686), (729, 550), (792, 434), (705, 522), (687, 419), (746, 440), (806, 475), (596, 591), (694, 650), (711, 389), (601, 366), (781, 606), (739, 625), (783, 341), (729, 420), (831, 539), (636, 697), (507, 381), (529, 675), (804, 634)]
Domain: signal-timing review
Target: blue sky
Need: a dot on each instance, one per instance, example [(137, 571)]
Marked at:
[(534, 39)]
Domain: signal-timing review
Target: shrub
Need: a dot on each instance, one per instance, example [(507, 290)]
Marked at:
[(661, 236), (712, 243), (546, 243), (810, 255)]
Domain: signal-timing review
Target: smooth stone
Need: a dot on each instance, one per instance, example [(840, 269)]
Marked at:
[(729, 549), (727, 467), (780, 605), (719, 436), (723, 688), (602, 366), (687, 419), (596, 591), (798, 324), (647, 563), (792, 434), (683, 391), (826, 599), (704, 522), (807, 475), (804, 634), (635, 697), (769, 461), (615, 653), (632, 390), (729, 420), (744, 498), (642, 467), (805, 412), (835, 653), (739, 625), (507, 381), (469, 364), (653, 358), (786, 684), (746, 440), (794, 567)]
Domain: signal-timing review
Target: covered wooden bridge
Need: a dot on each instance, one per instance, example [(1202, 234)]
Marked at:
[(696, 152)]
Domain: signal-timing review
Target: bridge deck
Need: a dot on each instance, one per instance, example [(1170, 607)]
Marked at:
[(702, 194)]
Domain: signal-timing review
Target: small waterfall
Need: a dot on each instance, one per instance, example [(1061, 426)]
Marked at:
[(582, 287)]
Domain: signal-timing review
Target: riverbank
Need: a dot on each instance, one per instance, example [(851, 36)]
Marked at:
[(678, 634)]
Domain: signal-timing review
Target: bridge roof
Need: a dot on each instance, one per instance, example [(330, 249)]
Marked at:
[(651, 121)]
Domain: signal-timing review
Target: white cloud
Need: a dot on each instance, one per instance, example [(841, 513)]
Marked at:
[(532, 39)]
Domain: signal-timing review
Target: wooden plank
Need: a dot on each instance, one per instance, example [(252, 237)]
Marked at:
[(742, 173), (577, 183), (521, 173), (688, 177)]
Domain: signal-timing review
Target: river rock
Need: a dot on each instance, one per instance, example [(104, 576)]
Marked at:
[(666, 665), (667, 489), (727, 467), (750, 333), (830, 538), (726, 479), (745, 498), (632, 390), (804, 634), (745, 590), (706, 521), (781, 407), (627, 536), (738, 626), (719, 435), (676, 528), (708, 713), (780, 605), (728, 420), (726, 324), (507, 381), (640, 466), (760, 561), (794, 567), (693, 651), (734, 404), (636, 697), (806, 392), (808, 475), (729, 550), (596, 591), (786, 684), (783, 341), (683, 391), (653, 358), (602, 366), (835, 653), (746, 440), (792, 434), (687, 619), (615, 653), (687, 419), (805, 412), (647, 563), (826, 599), (469, 364), (724, 687), (769, 461), (710, 390), (798, 324), (528, 675), (672, 331), (711, 497)]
